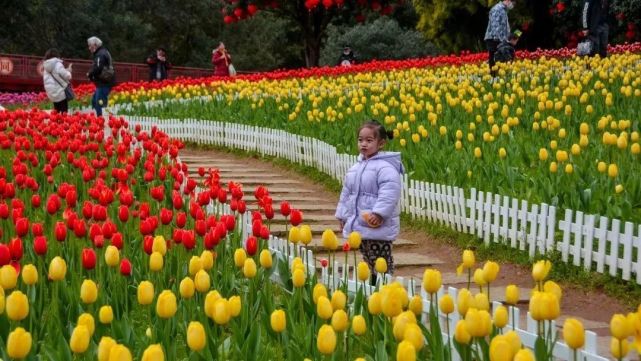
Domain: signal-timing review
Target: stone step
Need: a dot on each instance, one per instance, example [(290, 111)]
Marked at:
[(214, 163), (401, 259), (317, 245), (231, 173), (279, 229), (308, 218)]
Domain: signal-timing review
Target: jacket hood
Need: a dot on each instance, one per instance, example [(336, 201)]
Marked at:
[(393, 158), (50, 64)]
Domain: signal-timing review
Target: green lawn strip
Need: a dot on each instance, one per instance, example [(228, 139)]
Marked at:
[(627, 292)]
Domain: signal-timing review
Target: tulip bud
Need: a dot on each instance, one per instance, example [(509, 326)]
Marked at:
[(159, 245), (104, 348), (106, 315), (324, 308), (156, 262), (202, 281), (479, 279), (354, 240), (464, 301), (79, 341), (573, 333), (19, 343), (552, 287), (278, 321), (298, 278), (234, 306), (88, 291), (17, 306), (460, 333), (8, 277), (196, 337), (145, 293), (500, 317), (340, 321), (524, 355), (358, 325), (326, 341), (619, 347), (513, 338), (446, 304), (207, 259), (401, 322), (380, 265), (112, 256), (468, 258), (294, 235), (187, 288), (266, 259), (249, 268), (221, 311), (86, 319), (414, 335), (481, 302), (166, 304), (210, 301), (512, 295), (339, 300), (120, 353), (329, 240), (490, 271), (416, 305), (620, 327), (540, 270), (305, 234), (153, 353), (392, 301), (374, 304), (405, 351), (431, 280), (500, 349), (29, 275), (239, 257), (363, 271)]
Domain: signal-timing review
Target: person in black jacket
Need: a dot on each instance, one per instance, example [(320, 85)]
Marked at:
[(347, 57), (158, 65), (594, 19), (101, 74)]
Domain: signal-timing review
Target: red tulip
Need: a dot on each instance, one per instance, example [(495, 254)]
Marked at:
[(269, 211), (117, 241), (177, 200), (88, 258), (5, 254), (221, 231), (87, 210), (285, 209), (40, 245), (242, 207), (211, 240), (127, 198), (200, 227), (16, 248), (345, 247), (264, 232), (108, 229), (211, 221), (177, 235), (189, 239), (324, 262), (94, 230), (35, 201), (222, 196), (296, 217), (146, 227), (256, 225), (37, 229), (125, 267), (166, 216), (251, 245), (123, 213), (203, 198), (60, 231), (99, 241), (22, 227), (147, 244), (229, 221), (201, 171), (79, 228), (144, 210), (71, 198), (181, 219), (4, 210)]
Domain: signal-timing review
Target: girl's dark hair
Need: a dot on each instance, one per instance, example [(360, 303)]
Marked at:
[(52, 53), (378, 128)]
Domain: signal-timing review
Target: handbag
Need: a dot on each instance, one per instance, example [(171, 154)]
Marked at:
[(232, 70), (107, 74), (69, 94), (584, 48)]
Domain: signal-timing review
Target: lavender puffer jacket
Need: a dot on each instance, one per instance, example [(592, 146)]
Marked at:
[(372, 185)]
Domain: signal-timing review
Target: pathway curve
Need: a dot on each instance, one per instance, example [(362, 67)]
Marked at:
[(413, 251)]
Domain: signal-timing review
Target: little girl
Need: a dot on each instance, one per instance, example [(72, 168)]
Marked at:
[(369, 202)]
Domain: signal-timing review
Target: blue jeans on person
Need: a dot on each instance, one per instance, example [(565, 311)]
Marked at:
[(101, 94)]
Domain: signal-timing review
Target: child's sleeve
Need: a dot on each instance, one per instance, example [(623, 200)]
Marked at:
[(341, 207), (389, 192)]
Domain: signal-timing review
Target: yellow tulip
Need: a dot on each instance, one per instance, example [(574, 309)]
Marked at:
[(416, 305), (239, 257), (294, 235), (278, 321), (106, 315), (613, 171), (305, 234), (339, 299), (500, 349), (221, 311), (326, 341), (104, 348), (573, 333), (446, 304), (145, 293), (512, 295), (405, 351), (474, 324), (464, 301), (19, 343), (29, 275), (210, 301), (431, 280), (324, 308), (354, 240), (153, 353), (88, 292), (401, 322), (79, 341), (17, 306), (187, 288), (500, 317), (156, 262), (329, 240), (619, 348), (392, 301), (112, 256), (479, 279), (159, 245), (265, 259), (460, 333), (540, 270), (374, 304), (363, 271), (119, 353), (86, 319), (166, 304), (359, 327), (481, 301), (380, 265), (57, 269), (298, 278), (524, 355), (207, 259), (552, 287), (515, 342), (318, 291), (414, 335), (249, 268), (620, 327), (196, 337), (490, 271), (340, 321), (543, 154), (195, 265), (468, 258), (618, 188)]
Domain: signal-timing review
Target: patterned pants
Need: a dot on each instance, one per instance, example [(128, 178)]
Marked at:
[(373, 249)]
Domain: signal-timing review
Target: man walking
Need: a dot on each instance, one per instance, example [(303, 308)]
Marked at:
[(498, 29), (101, 73), (595, 25)]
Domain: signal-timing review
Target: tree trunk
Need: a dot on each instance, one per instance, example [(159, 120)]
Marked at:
[(313, 24), (312, 51)]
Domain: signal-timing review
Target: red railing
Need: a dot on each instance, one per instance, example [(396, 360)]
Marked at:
[(24, 72)]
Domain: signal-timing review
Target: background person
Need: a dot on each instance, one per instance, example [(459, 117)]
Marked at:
[(56, 78), (158, 65), (104, 80), (594, 19), (347, 57), (498, 29), (221, 60)]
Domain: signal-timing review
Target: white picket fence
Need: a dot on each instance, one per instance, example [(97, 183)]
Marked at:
[(606, 247)]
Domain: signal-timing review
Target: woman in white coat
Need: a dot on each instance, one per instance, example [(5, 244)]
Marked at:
[(56, 78)]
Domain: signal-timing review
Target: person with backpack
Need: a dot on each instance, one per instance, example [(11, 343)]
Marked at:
[(102, 74)]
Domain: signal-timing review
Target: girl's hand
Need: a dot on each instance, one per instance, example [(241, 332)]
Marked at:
[(374, 220)]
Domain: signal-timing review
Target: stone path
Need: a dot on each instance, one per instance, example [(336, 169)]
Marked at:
[(413, 252)]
